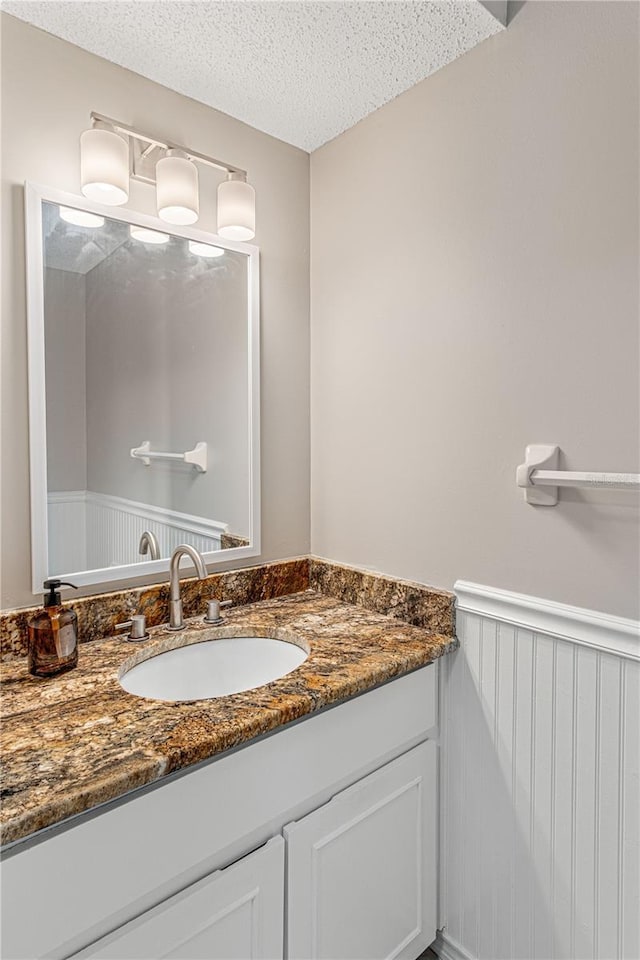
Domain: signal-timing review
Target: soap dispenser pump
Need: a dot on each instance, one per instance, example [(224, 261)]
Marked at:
[(53, 634)]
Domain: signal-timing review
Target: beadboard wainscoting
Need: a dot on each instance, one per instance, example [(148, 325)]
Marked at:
[(94, 530), (67, 530), (540, 798)]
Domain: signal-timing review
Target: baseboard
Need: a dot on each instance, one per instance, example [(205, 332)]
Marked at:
[(447, 949)]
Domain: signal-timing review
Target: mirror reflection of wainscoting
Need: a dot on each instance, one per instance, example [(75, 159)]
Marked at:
[(90, 530)]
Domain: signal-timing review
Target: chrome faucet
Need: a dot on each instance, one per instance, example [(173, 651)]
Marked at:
[(176, 621), (149, 544)]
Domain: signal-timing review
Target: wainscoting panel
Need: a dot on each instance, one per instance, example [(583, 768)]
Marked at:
[(67, 529), (115, 525), (540, 843), (89, 531)]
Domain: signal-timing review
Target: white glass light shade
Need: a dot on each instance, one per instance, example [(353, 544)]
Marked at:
[(177, 189), (205, 249), (104, 166), (81, 218), (147, 236), (236, 210)]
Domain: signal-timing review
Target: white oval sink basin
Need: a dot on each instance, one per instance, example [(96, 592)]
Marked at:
[(213, 668)]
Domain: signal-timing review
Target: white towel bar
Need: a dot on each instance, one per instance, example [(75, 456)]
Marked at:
[(541, 484), (573, 478), (197, 457)]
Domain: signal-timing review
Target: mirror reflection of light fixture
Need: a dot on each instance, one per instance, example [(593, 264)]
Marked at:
[(236, 208), (107, 148), (177, 188), (80, 218), (104, 166), (147, 236), (205, 249)]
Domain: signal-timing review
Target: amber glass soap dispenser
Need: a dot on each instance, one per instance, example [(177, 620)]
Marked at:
[(53, 634)]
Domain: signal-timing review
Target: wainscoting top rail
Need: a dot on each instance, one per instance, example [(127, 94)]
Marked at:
[(539, 470), (197, 457), (602, 631)]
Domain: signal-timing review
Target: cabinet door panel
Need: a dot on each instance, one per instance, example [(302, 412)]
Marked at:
[(234, 914), (361, 870)]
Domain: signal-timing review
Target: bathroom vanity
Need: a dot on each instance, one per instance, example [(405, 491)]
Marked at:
[(293, 820)]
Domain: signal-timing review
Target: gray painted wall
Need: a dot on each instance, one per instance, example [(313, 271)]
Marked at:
[(474, 289)]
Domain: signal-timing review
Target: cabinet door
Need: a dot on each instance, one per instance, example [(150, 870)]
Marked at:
[(361, 870), (233, 914)]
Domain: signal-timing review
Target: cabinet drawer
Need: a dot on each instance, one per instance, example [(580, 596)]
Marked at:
[(230, 915), (361, 870)]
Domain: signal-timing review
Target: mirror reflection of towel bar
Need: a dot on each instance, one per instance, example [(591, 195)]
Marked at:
[(197, 457)]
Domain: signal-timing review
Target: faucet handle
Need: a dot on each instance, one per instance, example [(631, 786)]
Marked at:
[(137, 627), (213, 610)]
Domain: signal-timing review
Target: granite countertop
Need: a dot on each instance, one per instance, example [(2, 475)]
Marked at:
[(77, 740)]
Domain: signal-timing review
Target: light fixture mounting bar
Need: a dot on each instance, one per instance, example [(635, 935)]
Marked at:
[(148, 142)]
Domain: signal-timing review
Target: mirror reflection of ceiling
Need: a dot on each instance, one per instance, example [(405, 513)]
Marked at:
[(78, 249), (301, 70)]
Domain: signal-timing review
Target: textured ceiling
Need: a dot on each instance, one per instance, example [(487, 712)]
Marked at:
[(300, 70)]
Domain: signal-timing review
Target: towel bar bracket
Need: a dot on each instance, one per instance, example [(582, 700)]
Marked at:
[(538, 456)]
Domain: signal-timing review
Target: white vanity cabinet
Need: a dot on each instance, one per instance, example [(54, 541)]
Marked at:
[(361, 870), (318, 841), (234, 914), (360, 883)]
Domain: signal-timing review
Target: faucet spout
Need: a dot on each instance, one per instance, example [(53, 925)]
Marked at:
[(149, 544), (176, 619)]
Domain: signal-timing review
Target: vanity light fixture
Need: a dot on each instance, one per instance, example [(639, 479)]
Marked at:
[(147, 236), (177, 188), (104, 165), (112, 153), (80, 218), (205, 249), (236, 208)]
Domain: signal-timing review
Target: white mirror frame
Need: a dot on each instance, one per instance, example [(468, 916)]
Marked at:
[(35, 194)]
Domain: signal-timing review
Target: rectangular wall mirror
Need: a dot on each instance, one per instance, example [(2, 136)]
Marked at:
[(144, 391)]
